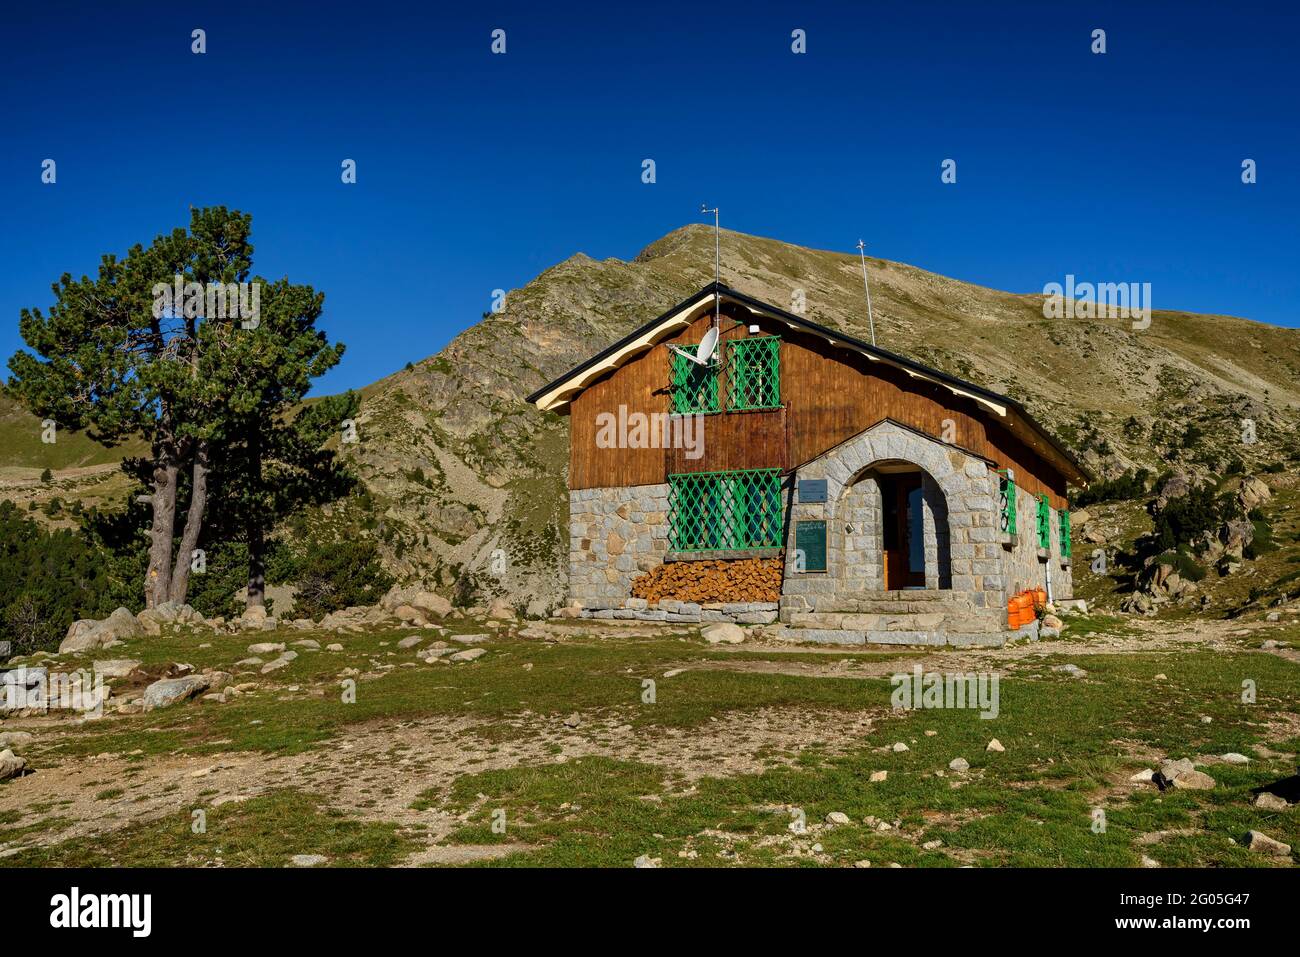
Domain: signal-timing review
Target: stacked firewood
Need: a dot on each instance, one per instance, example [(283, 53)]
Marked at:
[(745, 579)]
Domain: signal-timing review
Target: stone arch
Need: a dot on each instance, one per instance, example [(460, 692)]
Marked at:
[(863, 512)]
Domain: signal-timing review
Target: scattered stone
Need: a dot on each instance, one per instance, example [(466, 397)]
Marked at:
[(501, 610), (1162, 677), (469, 639), (248, 662), (674, 672), (334, 647), (573, 720), (1267, 801), (469, 654), (959, 764), (931, 734), (1074, 671), (862, 863), (1149, 861), (1261, 843), (1273, 616), (307, 644), (1142, 777), (410, 642), (1206, 719), (168, 691), (11, 766), (995, 745), (837, 818), (899, 747), (116, 667), (11, 739), (1051, 621), (307, 860), (1232, 757), (1193, 781), (932, 845), (266, 647), (879, 776), (254, 613), (645, 860), (723, 632)]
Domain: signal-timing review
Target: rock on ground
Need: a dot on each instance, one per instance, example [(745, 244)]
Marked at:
[(11, 765), (1264, 801), (723, 632), (469, 654), (1261, 843), (168, 691), (118, 626)]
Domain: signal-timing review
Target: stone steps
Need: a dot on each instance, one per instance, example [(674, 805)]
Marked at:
[(955, 624)]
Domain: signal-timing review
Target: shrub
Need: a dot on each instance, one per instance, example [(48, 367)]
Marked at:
[(335, 575), (47, 581)]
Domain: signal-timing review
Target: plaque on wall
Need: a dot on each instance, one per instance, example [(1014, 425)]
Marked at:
[(812, 490), (810, 538)]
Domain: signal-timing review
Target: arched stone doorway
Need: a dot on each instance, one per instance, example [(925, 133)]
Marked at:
[(896, 530)]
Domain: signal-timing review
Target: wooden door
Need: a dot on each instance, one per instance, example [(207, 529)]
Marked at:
[(902, 531)]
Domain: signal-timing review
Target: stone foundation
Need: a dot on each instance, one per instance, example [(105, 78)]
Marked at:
[(668, 610), (615, 534)]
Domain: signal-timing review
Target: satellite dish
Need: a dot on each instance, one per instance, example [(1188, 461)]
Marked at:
[(704, 352), (708, 344)]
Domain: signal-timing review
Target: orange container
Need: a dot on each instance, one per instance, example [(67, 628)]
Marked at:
[(1026, 600), (1013, 613), (1040, 596)]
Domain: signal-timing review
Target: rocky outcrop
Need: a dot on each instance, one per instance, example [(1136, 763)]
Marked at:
[(118, 626)]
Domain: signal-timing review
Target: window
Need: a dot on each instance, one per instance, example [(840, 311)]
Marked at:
[(755, 370), (1044, 523), (724, 511), (1065, 534), (1007, 504), (694, 387)]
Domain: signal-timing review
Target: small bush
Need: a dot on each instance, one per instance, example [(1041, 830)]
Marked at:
[(334, 575)]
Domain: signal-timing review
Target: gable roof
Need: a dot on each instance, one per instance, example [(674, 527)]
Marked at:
[(560, 392)]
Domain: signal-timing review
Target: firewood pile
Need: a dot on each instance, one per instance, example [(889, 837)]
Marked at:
[(746, 579)]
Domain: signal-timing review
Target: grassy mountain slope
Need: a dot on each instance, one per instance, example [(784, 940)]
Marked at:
[(460, 466)]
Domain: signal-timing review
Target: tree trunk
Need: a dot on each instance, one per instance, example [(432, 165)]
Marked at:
[(256, 539), (157, 581), (193, 525)]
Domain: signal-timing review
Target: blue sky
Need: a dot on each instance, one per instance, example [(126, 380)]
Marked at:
[(478, 171)]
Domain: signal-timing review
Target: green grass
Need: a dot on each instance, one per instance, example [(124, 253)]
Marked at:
[(1071, 745), (263, 832)]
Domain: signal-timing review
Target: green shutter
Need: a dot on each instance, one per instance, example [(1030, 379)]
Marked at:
[(755, 372), (1065, 533), (724, 511), (694, 387), (1044, 523), (1007, 503)]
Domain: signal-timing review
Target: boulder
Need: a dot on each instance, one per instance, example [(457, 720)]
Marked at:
[(254, 613), (168, 691), (469, 654), (266, 648), (959, 765), (723, 632), (501, 609), (1261, 843), (1182, 774), (13, 739), (409, 642), (1051, 621), (1252, 493), (11, 766), (1263, 800), (116, 627), (116, 667)]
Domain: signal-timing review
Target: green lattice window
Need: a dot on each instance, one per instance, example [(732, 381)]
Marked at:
[(1065, 533), (1044, 523), (724, 511), (755, 371), (694, 387), (1007, 504)]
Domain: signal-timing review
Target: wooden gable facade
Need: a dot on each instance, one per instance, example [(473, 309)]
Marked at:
[(832, 387)]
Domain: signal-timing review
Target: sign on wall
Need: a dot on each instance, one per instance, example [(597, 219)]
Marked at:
[(812, 490), (810, 538)]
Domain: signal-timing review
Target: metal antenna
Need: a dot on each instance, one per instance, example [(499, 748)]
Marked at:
[(862, 251), (717, 264)]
